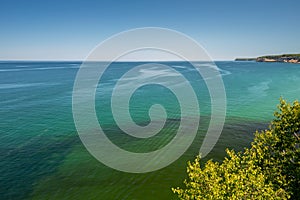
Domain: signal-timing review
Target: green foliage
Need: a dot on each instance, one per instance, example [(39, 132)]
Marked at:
[(281, 56), (269, 169), (277, 150)]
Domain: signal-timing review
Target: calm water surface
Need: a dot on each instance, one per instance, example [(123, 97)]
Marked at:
[(42, 157)]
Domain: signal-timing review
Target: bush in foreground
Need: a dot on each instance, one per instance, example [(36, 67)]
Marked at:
[(269, 169)]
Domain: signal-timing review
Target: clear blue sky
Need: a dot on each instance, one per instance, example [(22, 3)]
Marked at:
[(70, 29)]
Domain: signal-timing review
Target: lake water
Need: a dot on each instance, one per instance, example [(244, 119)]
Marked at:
[(42, 157)]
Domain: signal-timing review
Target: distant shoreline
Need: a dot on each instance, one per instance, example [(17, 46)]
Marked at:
[(284, 58)]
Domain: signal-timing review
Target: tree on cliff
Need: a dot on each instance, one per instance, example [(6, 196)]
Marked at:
[(269, 169)]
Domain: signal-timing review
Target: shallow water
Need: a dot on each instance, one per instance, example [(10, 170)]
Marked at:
[(42, 156)]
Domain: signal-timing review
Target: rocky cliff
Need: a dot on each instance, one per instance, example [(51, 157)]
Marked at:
[(287, 58)]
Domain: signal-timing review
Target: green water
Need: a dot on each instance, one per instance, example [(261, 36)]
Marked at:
[(42, 156)]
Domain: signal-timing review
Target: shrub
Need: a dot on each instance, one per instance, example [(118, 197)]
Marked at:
[(269, 169)]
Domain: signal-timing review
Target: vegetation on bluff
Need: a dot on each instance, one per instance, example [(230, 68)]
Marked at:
[(281, 56), (269, 169), (288, 58)]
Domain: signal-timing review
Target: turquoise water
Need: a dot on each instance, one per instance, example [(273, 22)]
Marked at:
[(42, 156)]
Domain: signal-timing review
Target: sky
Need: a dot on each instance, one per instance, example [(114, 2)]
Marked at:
[(70, 29)]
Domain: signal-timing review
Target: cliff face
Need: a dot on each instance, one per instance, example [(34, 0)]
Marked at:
[(287, 58), (292, 58)]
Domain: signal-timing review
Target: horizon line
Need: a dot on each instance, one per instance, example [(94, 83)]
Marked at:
[(42, 60)]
